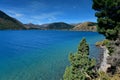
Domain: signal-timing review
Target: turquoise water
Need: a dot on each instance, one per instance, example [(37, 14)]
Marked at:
[(40, 55)]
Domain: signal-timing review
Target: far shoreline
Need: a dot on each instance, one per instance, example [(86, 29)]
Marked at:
[(46, 30)]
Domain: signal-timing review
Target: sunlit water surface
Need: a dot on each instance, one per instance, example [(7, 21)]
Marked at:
[(40, 55)]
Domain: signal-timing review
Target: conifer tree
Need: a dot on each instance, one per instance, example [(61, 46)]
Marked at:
[(81, 66), (108, 14)]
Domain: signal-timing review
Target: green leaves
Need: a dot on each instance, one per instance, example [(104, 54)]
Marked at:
[(108, 14), (83, 48), (80, 64)]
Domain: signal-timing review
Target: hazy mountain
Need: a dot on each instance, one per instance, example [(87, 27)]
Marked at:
[(7, 22), (59, 25), (50, 26), (32, 26)]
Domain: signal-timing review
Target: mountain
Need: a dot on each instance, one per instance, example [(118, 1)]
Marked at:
[(32, 26), (7, 22), (59, 26), (86, 26), (50, 26)]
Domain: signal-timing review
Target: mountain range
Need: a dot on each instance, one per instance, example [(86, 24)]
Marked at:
[(50, 26), (7, 22)]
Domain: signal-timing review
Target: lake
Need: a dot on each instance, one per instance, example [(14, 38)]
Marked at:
[(40, 55)]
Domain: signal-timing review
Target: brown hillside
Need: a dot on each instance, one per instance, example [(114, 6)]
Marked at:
[(86, 26)]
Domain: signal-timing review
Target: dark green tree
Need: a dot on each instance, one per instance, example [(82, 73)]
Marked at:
[(81, 66), (108, 14)]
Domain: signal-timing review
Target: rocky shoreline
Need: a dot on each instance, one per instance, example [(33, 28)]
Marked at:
[(104, 65)]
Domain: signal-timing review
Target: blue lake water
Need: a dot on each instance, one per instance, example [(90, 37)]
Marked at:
[(40, 55)]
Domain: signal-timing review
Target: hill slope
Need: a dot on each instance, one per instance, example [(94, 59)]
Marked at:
[(7, 22), (59, 25), (86, 26)]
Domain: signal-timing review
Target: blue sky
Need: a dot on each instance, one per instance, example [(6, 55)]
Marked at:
[(47, 11)]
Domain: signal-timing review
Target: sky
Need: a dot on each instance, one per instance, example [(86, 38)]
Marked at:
[(48, 11)]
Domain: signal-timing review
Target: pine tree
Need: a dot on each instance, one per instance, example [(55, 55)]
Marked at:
[(81, 66), (108, 14)]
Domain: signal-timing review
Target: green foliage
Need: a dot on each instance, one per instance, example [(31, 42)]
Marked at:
[(81, 66), (110, 48), (103, 76), (105, 42), (108, 14), (83, 48)]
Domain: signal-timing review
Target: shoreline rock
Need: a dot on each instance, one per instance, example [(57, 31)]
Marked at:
[(104, 65), (100, 58)]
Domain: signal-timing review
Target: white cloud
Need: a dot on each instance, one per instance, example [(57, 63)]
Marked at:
[(47, 16), (14, 14), (52, 18), (18, 15), (36, 18)]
